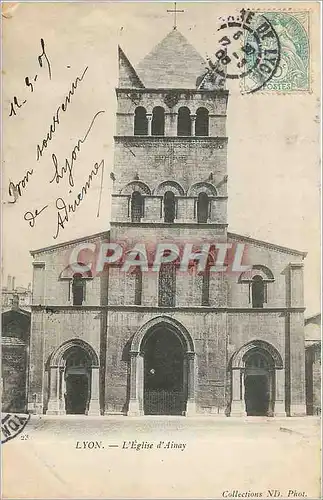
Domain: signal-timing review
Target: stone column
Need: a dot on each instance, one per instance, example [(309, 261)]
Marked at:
[(134, 407), (169, 128), (62, 391), (94, 407), (193, 121), (53, 403), (279, 409), (36, 372), (140, 382), (190, 405), (296, 341), (149, 118), (237, 403)]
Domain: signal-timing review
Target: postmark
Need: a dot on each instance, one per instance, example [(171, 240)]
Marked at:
[(249, 50), (264, 51), (12, 424)]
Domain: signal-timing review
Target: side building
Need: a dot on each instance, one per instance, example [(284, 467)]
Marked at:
[(313, 346)]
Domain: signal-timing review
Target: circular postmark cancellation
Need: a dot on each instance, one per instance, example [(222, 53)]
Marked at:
[(249, 50), (12, 424)]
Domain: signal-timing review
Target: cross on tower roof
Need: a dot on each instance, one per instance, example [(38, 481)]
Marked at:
[(175, 12)]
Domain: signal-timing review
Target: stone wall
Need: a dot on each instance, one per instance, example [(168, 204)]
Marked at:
[(14, 376), (49, 330), (14, 366), (208, 333)]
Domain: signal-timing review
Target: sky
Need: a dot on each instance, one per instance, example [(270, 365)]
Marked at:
[(273, 151)]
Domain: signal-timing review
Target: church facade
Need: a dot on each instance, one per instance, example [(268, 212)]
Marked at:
[(143, 342)]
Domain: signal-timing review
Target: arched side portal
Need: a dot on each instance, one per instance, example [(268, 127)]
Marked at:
[(73, 379), (257, 381), (162, 369)]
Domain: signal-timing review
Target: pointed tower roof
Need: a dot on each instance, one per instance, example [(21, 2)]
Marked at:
[(128, 77), (173, 63)]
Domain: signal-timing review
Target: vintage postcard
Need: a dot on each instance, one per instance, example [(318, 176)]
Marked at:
[(161, 280)]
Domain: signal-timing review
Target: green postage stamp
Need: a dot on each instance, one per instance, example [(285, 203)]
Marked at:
[(293, 70)]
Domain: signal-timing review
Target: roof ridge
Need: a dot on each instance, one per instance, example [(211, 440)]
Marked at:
[(268, 244), (68, 243)]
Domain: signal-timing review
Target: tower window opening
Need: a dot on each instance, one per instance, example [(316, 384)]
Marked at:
[(258, 291), (78, 289), (138, 286), (202, 122), (137, 205), (202, 207), (184, 127), (169, 206), (141, 121), (158, 121), (167, 285), (206, 287)]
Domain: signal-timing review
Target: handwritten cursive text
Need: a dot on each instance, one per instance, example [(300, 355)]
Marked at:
[(69, 163), (30, 217), (56, 117), (64, 210), (15, 190), (16, 103)]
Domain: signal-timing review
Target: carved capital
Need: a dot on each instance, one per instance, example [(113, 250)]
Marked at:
[(171, 99)]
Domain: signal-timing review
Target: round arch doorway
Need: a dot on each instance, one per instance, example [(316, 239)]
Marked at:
[(73, 379), (259, 384), (77, 377), (257, 380), (164, 373)]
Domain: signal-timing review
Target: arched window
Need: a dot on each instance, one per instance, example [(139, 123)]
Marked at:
[(78, 289), (202, 122), (138, 285), (141, 122), (202, 207), (137, 205), (169, 206), (167, 285), (184, 122), (158, 121), (258, 291)]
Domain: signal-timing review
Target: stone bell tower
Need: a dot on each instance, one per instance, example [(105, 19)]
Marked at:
[(171, 136), (170, 185)]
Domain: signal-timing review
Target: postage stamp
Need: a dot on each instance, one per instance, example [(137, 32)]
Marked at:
[(266, 51), (293, 71)]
